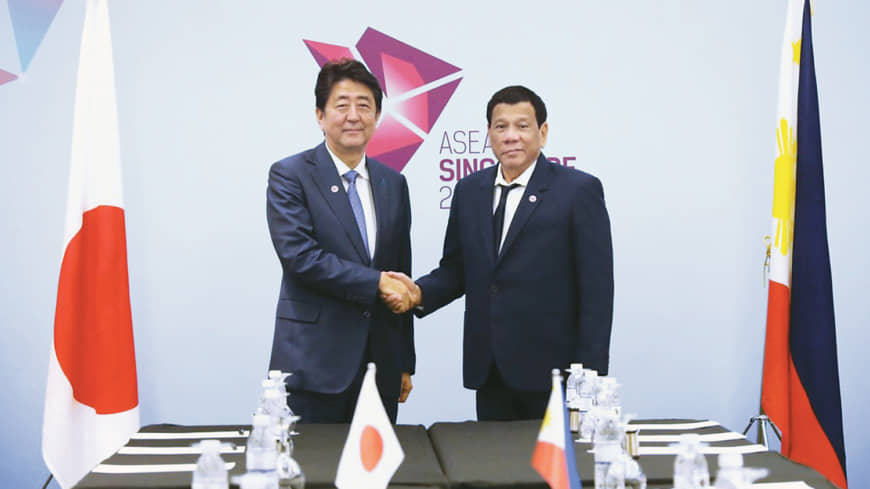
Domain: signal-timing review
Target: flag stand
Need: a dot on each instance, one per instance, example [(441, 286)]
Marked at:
[(763, 422)]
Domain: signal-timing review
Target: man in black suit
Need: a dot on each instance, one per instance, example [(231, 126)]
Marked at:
[(337, 219), (528, 243)]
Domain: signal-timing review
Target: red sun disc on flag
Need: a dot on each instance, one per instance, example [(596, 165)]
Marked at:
[(371, 448)]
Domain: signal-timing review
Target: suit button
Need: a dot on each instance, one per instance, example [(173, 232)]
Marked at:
[(367, 314), (493, 289)]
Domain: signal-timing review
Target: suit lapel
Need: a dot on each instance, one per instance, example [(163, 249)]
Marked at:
[(529, 202), (484, 208), (383, 199), (332, 188)]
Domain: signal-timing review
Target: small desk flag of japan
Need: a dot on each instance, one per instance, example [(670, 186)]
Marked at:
[(91, 399), (372, 452), (553, 457)]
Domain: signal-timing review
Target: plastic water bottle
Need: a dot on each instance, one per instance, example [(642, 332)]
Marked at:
[(210, 472), (261, 453), (690, 466), (730, 475), (608, 395), (575, 373), (606, 445), (280, 379), (266, 385), (253, 480), (733, 475), (625, 473), (572, 396), (585, 402)]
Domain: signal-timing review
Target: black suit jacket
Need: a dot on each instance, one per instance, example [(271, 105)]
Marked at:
[(328, 307), (547, 299)]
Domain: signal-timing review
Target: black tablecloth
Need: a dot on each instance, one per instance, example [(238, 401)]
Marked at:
[(469, 455), (317, 449), (496, 455)]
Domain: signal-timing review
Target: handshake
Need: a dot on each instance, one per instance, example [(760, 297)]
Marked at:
[(399, 292)]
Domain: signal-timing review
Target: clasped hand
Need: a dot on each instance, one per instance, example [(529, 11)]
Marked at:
[(399, 292)]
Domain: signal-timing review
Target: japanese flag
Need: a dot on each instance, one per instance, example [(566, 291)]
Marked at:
[(372, 452), (91, 396)]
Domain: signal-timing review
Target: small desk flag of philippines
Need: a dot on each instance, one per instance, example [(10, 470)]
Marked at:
[(372, 452), (553, 457), (91, 399)]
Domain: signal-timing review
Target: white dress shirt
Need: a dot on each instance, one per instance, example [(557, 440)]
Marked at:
[(513, 198), (364, 189)]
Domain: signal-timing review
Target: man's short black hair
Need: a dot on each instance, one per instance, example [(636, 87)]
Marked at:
[(344, 69), (513, 95)]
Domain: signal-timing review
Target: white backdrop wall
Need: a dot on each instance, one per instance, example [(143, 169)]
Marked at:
[(671, 104)]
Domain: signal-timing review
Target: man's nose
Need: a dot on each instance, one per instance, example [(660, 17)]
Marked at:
[(353, 113), (511, 134)]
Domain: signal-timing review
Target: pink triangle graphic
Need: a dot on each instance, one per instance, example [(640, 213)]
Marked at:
[(6, 77), (399, 76), (399, 158), (389, 136), (424, 109), (438, 98), (374, 44), (324, 53), (416, 110)]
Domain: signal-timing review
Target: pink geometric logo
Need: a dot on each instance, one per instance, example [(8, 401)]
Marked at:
[(416, 85)]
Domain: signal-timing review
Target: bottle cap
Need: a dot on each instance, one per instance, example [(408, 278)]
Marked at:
[(210, 446), (262, 420)]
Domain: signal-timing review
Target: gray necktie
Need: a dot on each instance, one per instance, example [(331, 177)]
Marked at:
[(356, 205)]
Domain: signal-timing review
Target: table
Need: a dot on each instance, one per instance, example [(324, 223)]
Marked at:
[(464, 455), (496, 455), (317, 449)]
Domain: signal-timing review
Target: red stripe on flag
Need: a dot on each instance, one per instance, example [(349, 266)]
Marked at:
[(804, 440), (777, 360), (784, 399), (549, 461), (93, 330)]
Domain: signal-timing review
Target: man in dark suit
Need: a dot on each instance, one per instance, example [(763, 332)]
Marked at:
[(337, 218), (528, 243)]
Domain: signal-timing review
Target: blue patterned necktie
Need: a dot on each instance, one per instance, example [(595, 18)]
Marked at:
[(356, 205)]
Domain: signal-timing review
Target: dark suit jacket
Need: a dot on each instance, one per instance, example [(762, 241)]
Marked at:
[(328, 306), (547, 300)]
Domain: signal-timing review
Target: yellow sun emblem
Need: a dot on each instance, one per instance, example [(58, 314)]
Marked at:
[(784, 183)]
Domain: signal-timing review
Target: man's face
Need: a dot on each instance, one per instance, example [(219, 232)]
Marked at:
[(349, 117), (515, 136)]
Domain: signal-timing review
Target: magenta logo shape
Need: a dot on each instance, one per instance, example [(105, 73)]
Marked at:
[(416, 85)]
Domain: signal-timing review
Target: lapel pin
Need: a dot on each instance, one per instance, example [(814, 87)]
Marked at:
[(532, 199), (334, 188)]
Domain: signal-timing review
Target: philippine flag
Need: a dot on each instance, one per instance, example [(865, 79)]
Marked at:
[(372, 452), (553, 457), (91, 399), (801, 381)]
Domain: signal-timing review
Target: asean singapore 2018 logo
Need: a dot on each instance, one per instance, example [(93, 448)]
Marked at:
[(416, 85)]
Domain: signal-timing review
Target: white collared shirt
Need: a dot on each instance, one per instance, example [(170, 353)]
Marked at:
[(364, 189), (513, 198)]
